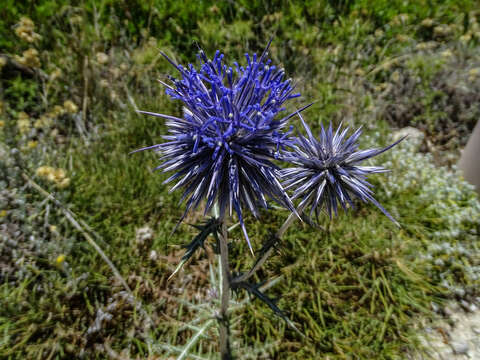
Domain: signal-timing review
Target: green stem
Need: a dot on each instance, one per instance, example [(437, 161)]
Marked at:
[(225, 350)]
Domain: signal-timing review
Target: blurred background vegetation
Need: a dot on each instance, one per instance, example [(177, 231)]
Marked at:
[(72, 75)]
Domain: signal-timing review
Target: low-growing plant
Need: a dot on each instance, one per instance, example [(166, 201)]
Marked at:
[(71, 78)]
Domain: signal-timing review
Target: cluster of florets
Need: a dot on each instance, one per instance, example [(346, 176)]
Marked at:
[(222, 149), (328, 171)]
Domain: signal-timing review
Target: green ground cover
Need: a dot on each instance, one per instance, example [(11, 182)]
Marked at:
[(71, 79)]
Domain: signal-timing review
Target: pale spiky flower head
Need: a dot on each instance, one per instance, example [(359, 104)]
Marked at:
[(328, 171), (221, 150)]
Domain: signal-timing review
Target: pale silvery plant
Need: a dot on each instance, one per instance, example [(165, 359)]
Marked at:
[(222, 151)]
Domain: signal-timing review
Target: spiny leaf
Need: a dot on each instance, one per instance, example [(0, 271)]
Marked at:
[(272, 242), (272, 303), (209, 227)]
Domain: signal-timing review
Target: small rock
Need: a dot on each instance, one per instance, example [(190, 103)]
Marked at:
[(153, 255), (11, 243), (465, 305), (439, 262), (460, 348), (102, 58), (143, 236), (459, 292), (469, 307), (447, 310), (435, 307), (476, 329)]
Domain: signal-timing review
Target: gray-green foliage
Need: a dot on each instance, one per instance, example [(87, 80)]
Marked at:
[(443, 192), (450, 209)]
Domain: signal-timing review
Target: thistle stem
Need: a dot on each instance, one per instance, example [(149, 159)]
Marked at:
[(225, 350), (287, 223)]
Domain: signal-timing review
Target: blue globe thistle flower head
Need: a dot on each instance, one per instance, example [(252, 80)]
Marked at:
[(329, 173), (222, 149)]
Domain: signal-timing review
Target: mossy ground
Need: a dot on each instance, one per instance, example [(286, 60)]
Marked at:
[(355, 289)]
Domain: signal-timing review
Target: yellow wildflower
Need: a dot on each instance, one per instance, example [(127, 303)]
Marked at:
[(442, 30), (427, 23), (64, 183), (55, 74), (102, 58), (446, 53), (23, 123), (379, 33), (70, 106), (116, 72), (3, 62), (474, 72), (23, 115), (402, 38), (38, 124), (51, 176), (2, 123), (44, 121), (32, 144), (25, 30), (466, 38), (359, 72), (59, 174), (426, 45), (60, 259), (43, 171), (3, 213), (214, 9), (58, 110), (77, 19), (395, 76), (29, 58)]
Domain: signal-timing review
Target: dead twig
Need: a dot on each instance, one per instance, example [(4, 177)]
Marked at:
[(71, 218), (81, 125)]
